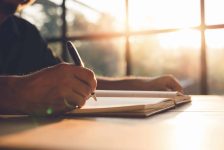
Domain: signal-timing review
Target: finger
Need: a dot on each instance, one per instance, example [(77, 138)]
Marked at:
[(67, 101), (81, 72), (75, 99), (90, 82), (174, 85), (81, 88), (85, 75)]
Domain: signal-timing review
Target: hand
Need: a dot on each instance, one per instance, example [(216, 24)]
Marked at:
[(164, 83), (47, 91)]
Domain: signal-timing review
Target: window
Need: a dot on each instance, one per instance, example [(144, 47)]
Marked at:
[(215, 42), (105, 57), (46, 16), (142, 38)]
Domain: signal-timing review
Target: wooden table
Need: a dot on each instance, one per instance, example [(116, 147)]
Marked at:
[(194, 126)]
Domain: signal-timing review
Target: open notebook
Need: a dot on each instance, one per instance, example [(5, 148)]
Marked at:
[(130, 103)]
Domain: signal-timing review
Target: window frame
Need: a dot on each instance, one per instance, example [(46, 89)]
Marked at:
[(204, 87)]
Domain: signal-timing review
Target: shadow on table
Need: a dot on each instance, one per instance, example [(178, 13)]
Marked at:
[(14, 124), (13, 148)]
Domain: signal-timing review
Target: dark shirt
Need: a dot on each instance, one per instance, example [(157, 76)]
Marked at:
[(22, 49)]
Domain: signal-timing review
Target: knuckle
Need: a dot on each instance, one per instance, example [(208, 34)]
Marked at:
[(92, 78), (62, 66), (80, 101), (90, 74), (94, 83), (169, 77)]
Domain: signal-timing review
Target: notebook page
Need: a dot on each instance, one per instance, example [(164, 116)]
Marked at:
[(124, 93), (103, 102)]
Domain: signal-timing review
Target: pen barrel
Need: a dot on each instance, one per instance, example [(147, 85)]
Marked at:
[(74, 54), (77, 59)]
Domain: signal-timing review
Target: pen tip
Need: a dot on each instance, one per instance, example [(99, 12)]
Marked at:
[(93, 95)]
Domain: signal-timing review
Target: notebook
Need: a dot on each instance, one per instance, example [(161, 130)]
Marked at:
[(130, 103)]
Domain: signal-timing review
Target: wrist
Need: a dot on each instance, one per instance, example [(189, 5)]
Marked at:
[(9, 96)]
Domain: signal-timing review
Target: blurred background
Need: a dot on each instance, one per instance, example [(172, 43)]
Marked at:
[(119, 38)]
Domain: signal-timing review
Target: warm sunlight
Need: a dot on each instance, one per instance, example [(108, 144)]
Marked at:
[(150, 14), (182, 39), (184, 130), (145, 15), (215, 38), (159, 14), (214, 11)]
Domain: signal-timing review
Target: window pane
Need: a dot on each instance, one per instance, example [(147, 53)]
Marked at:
[(46, 16), (104, 57), (173, 53), (158, 14), (56, 48), (214, 11), (93, 16), (215, 44)]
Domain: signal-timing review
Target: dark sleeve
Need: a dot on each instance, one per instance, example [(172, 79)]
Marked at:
[(34, 53)]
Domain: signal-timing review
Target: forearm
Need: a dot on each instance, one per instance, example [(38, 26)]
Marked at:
[(126, 83), (165, 82)]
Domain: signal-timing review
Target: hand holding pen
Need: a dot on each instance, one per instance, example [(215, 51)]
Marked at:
[(77, 59)]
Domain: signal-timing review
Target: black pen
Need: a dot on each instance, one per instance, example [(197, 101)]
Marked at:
[(77, 59)]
